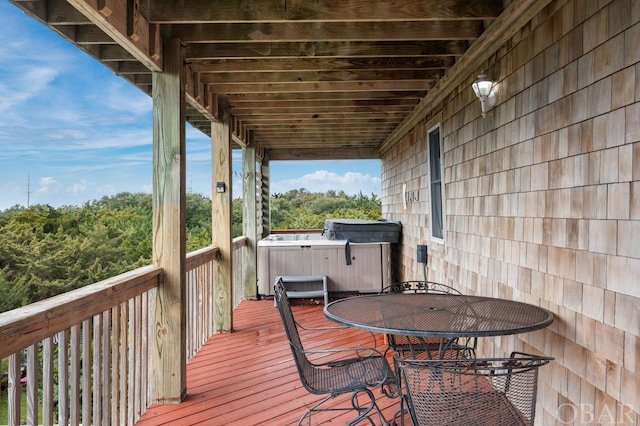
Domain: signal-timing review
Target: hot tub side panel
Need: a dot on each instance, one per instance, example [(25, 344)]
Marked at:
[(368, 272)]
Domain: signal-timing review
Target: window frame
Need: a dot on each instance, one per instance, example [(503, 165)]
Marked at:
[(435, 185)]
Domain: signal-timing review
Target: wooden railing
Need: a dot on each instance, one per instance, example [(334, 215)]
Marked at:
[(83, 355), (200, 306), (238, 278)]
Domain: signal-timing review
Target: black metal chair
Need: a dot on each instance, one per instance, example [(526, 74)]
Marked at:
[(357, 374), (489, 391), (428, 347)]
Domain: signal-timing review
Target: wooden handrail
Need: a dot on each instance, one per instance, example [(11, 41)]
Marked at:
[(200, 257), (239, 242), (23, 327)]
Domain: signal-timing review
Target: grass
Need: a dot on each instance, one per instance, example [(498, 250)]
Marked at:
[(4, 402)]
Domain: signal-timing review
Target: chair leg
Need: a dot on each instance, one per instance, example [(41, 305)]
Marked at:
[(307, 414), (362, 410), (365, 410)]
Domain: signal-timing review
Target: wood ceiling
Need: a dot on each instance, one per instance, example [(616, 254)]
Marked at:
[(301, 78)]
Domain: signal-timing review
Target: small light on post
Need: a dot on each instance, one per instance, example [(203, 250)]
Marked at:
[(220, 187), (485, 90)]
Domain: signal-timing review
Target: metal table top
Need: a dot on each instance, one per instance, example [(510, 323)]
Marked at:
[(440, 315)]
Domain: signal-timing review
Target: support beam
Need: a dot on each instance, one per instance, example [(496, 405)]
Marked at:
[(122, 22), (168, 384), (249, 223), (222, 220)]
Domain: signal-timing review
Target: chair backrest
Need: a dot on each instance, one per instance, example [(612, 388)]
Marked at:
[(420, 287), (419, 347), (304, 367), (479, 391)]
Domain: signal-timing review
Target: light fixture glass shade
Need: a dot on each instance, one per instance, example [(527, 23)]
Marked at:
[(485, 91), (482, 86)]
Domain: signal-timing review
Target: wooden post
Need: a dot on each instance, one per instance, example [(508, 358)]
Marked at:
[(222, 220), (169, 248), (249, 224)]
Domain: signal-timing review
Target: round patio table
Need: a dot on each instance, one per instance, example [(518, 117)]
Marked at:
[(438, 315)]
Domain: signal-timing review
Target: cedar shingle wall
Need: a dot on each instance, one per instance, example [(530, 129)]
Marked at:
[(542, 201)]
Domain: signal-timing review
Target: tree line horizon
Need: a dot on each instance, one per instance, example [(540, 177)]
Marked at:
[(45, 251)]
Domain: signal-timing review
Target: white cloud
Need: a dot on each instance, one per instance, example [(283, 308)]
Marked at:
[(48, 185), (79, 187), (23, 84), (323, 181)]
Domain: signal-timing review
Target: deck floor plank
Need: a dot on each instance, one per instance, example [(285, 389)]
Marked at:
[(249, 378)]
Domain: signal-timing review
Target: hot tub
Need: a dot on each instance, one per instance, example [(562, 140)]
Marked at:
[(349, 267)]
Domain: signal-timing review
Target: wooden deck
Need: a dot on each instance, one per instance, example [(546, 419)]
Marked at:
[(249, 378)]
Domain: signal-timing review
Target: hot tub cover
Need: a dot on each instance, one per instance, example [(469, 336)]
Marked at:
[(362, 231)]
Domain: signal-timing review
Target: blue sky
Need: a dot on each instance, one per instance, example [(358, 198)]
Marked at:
[(71, 131)]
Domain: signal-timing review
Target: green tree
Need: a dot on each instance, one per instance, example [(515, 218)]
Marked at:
[(301, 209), (46, 251)]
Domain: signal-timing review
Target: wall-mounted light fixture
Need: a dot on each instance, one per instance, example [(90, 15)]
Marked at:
[(485, 90)]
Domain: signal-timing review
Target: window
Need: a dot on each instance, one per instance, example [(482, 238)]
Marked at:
[(435, 183)]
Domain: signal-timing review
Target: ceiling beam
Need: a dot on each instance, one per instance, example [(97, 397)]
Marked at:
[(246, 50), (329, 76), (297, 105), (320, 64), (311, 153), (114, 52), (322, 86), (312, 114), (237, 99), (279, 110), (194, 11), (318, 128), (60, 12), (327, 31)]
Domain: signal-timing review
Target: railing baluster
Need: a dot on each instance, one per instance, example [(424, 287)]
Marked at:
[(13, 390), (87, 355), (74, 377), (123, 353), (189, 316), (131, 357), (143, 373), (96, 368), (115, 364), (47, 382), (136, 364), (106, 367), (32, 383), (63, 378), (208, 300)]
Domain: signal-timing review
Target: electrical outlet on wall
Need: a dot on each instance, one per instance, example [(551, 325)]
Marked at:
[(422, 254)]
